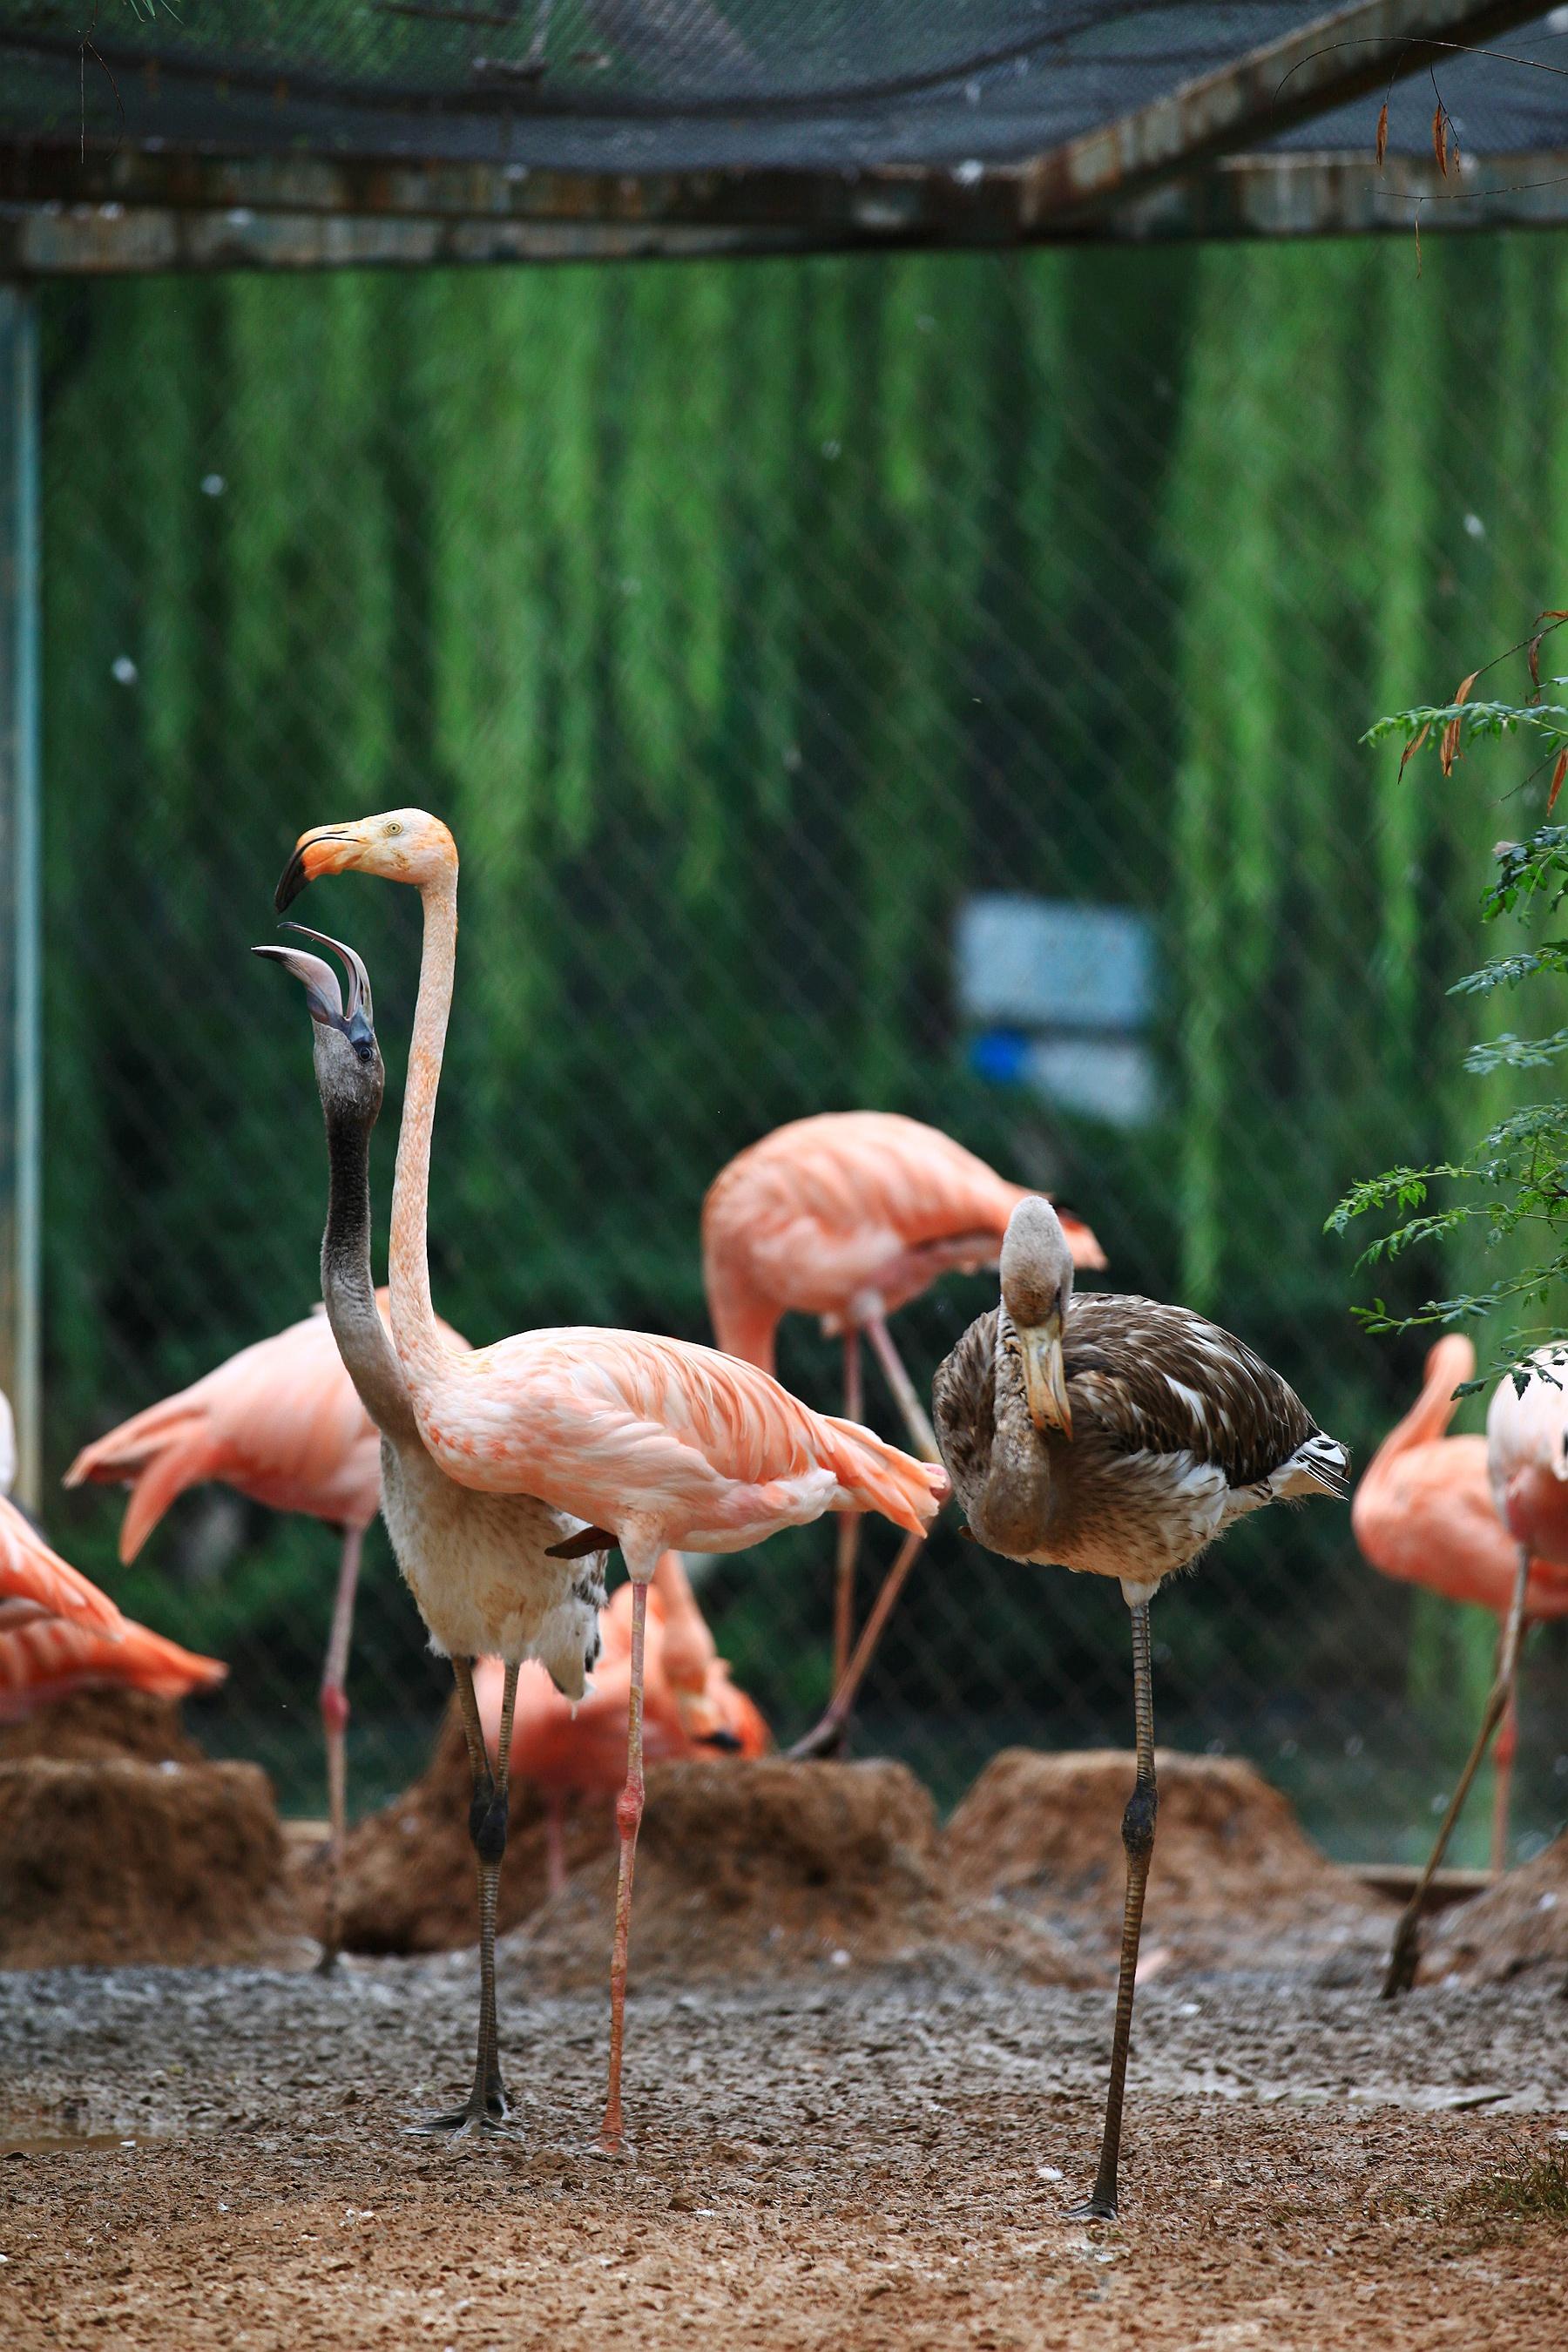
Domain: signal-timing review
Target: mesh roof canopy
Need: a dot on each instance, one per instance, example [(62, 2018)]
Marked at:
[(645, 85), (1017, 117)]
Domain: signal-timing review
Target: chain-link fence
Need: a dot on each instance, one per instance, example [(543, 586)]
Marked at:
[(787, 645)]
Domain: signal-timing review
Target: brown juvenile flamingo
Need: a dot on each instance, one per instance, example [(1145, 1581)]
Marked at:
[(1118, 1436), (481, 1568), (656, 1443)]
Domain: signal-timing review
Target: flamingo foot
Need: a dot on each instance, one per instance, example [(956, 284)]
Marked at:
[(1093, 2208), (829, 1737), (474, 2119)]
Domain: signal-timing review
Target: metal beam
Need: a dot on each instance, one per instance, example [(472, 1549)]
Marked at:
[(21, 1064), (1270, 195), (64, 210)]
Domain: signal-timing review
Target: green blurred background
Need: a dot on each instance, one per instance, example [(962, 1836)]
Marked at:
[(744, 620)]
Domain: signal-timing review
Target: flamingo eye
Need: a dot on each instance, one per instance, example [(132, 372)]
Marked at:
[(392, 831)]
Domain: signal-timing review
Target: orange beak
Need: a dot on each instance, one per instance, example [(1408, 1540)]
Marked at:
[(325, 849)]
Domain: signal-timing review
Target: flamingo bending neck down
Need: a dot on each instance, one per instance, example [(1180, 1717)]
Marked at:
[(660, 1443), (482, 1569), (849, 1215), (1425, 1514), (280, 1423), (692, 1710), (1483, 1519)]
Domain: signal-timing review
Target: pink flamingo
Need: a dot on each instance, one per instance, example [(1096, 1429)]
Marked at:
[(1424, 1512), (849, 1215), (49, 1658), (60, 1633), (690, 1706), (655, 1444), (37, 1587), (280, 1423), (1482, 1520)]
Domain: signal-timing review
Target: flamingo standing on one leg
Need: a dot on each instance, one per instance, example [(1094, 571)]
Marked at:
[(657, 1442), (849, 1215), (1526, 1449), (280, 1423), (483, 1569), (690, 1706), (1115, 1436), (1424, 1512)]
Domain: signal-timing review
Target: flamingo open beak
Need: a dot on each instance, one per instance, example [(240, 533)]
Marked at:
[(325, 849), (1045, 1375)]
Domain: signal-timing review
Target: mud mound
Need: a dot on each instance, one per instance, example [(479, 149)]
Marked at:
[(1234, 1882), (761, 1867), (117, 1860), (409, 1877), (91, 1724), (1518, 1925)]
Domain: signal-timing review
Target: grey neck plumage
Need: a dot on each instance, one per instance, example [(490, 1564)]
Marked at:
[(1020, 1494), (347, 1285)]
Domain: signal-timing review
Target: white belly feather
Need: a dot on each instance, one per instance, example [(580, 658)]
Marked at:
[(477, 1568)]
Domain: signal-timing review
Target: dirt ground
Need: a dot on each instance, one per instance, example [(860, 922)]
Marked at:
[(865, 2075), (848, 2159)]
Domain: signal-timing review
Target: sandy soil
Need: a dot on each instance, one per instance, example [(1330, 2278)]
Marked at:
[(113, 1859), (849, 2160), (1517, 1927)]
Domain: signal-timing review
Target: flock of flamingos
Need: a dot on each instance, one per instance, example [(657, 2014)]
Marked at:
[(1110, 1434)]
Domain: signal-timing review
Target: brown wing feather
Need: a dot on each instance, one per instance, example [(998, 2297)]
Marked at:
[(1122, 1356), (963, 1403)]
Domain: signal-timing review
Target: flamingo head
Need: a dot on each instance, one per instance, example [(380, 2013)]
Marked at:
[(403, 846), (348, 1071), (1036, 1288)]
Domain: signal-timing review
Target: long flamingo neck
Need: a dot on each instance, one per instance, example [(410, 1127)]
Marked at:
[(1434, 1409), (414, 1326), (745, 1327)]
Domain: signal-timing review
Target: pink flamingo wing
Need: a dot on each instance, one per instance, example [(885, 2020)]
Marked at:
[(31, 1572)]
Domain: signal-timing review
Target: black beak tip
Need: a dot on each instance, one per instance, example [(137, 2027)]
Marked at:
[(294, 880), (724, 1741)]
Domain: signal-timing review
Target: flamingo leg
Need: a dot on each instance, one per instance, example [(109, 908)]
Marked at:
[(628, 1818), (916, 1421), (334, 1723), (554, 1841), (486, 2108), (1406, 1955), (1503, 1755), (828, 1734), (1138, 1838), (849, 1521)]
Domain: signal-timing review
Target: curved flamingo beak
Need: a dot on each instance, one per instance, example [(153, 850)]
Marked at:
[(325, 849), (1045, 1375)]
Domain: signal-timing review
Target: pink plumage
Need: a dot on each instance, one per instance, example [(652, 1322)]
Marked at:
[(1527, 1455), (36, 1583), (665, 1442), (280, 1423), (849, 1206), (49, 1659), (1424, 1511)]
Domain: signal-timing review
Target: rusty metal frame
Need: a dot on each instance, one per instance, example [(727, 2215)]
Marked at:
[(1151, 174), (1243, 197)]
